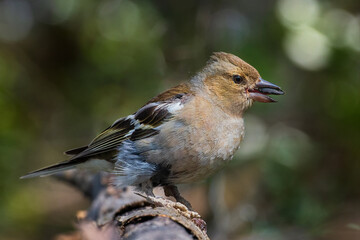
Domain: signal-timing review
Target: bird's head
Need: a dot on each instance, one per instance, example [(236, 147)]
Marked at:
[(233, 84)]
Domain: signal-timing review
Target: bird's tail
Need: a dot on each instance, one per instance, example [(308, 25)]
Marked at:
[(59, 167)]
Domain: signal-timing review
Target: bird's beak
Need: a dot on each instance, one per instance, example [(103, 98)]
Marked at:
[(262, 89)]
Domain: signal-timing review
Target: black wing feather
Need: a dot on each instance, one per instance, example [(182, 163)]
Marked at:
[(140, 126)]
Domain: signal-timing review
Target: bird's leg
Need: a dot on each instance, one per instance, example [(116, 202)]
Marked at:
[(181, 203), (147, 189), (182, 206), (173, 191)]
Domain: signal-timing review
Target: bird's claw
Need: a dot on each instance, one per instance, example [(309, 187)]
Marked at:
[(162, 202)]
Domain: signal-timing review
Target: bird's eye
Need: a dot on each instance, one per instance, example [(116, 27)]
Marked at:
[(238, 79)]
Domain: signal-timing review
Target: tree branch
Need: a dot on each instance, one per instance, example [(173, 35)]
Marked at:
[(122, 214)]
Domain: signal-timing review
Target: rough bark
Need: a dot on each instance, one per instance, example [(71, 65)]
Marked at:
[(122, 214)]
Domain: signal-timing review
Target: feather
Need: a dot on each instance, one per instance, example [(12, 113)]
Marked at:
[(76, 150), (172, 93), (67, 165), (142, 124)]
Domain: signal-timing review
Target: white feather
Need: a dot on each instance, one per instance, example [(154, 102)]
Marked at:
[(174, 107)]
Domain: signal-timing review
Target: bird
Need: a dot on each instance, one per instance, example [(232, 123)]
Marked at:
[(183, 135)]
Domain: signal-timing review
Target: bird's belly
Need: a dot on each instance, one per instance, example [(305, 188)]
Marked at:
[(193, 153)]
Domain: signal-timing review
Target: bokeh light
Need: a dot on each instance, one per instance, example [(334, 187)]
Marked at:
[(307, 48), (298, 12), (16, 20)]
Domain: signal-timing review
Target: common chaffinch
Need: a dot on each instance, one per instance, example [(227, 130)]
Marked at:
[(180, 136)]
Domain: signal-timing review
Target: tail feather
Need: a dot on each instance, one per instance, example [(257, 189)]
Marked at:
[(67, 165), (76, 150)]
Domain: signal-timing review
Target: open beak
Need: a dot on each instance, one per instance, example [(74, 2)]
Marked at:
[(262, 89)]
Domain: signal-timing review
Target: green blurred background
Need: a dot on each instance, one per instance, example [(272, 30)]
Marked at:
[(69, 68)]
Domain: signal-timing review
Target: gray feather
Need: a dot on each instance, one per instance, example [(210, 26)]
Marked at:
[(131, 169), (52, 169)]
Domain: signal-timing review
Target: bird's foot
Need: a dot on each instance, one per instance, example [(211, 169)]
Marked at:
[(167, 203), (181, 208)]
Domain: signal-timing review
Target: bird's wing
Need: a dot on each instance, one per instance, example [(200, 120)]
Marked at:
[(177, 91), (142, 124)]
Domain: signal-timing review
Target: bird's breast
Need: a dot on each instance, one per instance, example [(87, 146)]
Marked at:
[(197, 141)]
